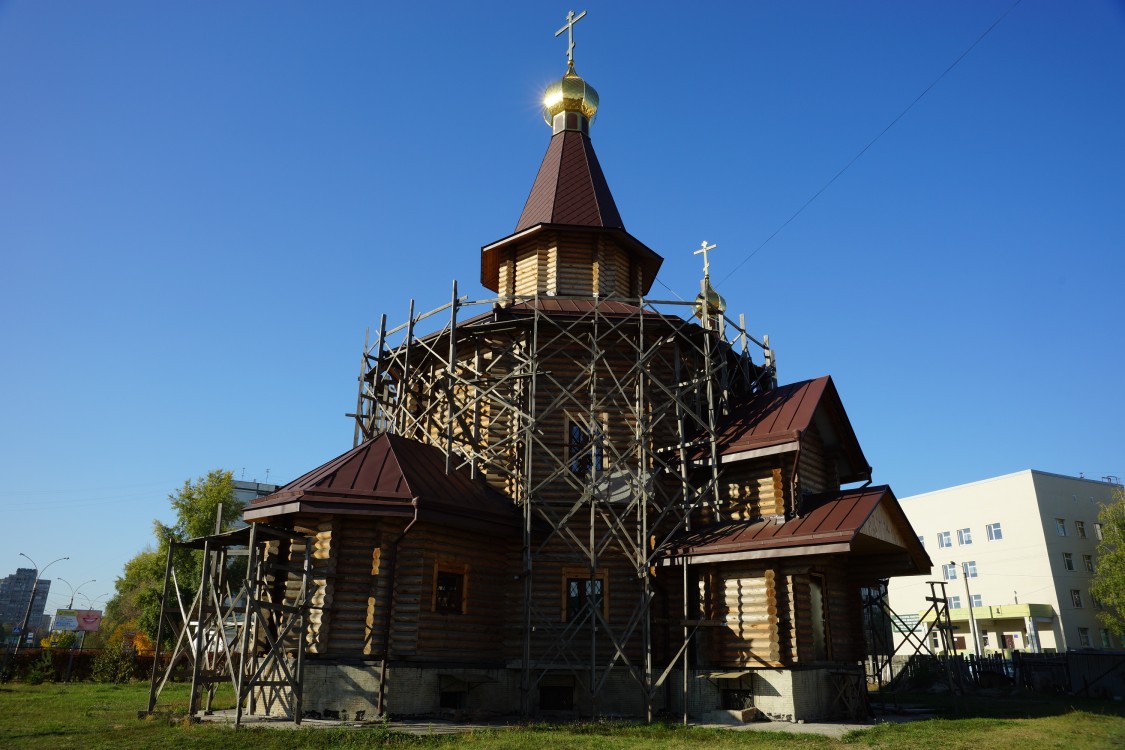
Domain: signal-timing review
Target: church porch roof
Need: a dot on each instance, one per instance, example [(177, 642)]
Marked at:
[(386, 476), (867, 523)]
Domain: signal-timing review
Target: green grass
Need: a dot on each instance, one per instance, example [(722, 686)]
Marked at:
[(89, 715)]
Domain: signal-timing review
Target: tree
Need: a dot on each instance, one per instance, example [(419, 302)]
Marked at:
[(136, 603), (1109, 576), (196, 504)]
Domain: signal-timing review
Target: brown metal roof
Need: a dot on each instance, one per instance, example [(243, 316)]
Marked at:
[(781, 415), (383, 477), (832, 523), (570, 187)]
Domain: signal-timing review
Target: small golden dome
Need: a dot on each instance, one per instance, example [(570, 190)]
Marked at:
[(569, 94), (716, 305)]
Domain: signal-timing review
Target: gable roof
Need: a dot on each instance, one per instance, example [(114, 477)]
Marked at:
[(385, 476), (778, 417), (570, 187), (866, 523)]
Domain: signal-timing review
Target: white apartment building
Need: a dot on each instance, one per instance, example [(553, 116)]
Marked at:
[(1027, 542)]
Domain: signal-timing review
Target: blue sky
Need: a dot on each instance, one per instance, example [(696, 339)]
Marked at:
[(204, 205)]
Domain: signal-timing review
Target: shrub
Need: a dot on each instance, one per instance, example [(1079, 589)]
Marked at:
[(114, 664), (41, 670)]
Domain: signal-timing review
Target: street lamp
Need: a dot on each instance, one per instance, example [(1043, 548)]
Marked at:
[(74, 589), (31, 601), (91, 602)]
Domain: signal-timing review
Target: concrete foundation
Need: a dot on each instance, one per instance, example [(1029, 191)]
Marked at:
[(350, 692)]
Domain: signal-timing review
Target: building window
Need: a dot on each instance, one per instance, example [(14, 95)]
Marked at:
[(971, 569), (1083, 637), (1094, 602), (582, 591), (964, 536), (922, 541), (944, 539), (955, 602), (1060, 526), (983, 635), (994, 532), (585, 447), (1098, 531), (1080, 529), (1088, 561), (1068, 561), (976, 601), (1076, 598), (449, 588), (949, 572), (1106, 642)]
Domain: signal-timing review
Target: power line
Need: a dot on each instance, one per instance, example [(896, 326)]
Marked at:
[(883, 132)]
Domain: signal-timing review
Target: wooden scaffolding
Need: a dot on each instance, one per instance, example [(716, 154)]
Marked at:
[(597, 416), (247, 628)]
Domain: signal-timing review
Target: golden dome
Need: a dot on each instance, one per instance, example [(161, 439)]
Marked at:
[(716, 305), (569, 94)]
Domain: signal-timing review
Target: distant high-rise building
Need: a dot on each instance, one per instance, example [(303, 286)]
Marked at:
[(15, 592)]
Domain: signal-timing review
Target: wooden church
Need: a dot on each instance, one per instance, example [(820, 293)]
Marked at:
[(577, 499)]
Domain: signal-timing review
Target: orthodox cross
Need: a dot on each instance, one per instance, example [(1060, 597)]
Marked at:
[(704, 249), (571, 19)]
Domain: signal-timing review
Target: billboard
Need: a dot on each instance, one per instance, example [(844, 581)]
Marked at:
[(84, 620)]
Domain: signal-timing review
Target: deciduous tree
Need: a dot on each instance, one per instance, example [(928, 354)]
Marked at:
[(136, 604), (1109, 577)]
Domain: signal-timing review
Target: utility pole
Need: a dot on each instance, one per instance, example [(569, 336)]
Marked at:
[(972, 618)]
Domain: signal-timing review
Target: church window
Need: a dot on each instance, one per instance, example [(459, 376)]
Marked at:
[(585, 447), (449, 588), (818, 616), (582, 592)]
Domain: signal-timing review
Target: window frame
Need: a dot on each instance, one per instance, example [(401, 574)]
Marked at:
[(944, 539), (1088, 563), (1068, 561), (994, 532), (1080, 529), (949, 571), (589, 468), (450, 568), (976, 601), (969, 568), (964, 536), (1060, 526), (1076, 598), (582, 573), (954, 602), (1084, 637), (1098, 531)]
